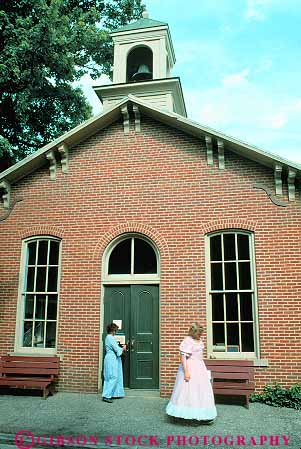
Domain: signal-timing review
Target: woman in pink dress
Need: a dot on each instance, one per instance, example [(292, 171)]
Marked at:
[(192, 396)]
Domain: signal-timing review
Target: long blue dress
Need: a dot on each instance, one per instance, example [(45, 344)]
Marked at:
[(113, 378)]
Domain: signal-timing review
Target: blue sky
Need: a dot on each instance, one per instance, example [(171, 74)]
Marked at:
[(239, 63)]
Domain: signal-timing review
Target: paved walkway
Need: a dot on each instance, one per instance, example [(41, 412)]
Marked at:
[(82, 420)]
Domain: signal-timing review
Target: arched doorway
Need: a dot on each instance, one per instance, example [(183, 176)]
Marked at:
[(131, 299)]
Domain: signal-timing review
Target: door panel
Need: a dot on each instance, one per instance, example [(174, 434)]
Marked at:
[(138, 308), (117, 306), (145, 333)]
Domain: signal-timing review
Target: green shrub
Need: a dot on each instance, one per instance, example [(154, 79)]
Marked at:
[(277, 396)]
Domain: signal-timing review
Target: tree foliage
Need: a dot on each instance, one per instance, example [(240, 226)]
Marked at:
[(46, 45)]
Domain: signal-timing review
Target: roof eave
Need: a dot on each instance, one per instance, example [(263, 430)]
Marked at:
[(93, 125), (71, 138), (242, 148)]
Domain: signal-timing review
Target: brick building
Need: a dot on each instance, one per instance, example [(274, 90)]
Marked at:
[(144, 216)]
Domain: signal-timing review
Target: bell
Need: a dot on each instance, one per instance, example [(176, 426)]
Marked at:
[(143, 73)]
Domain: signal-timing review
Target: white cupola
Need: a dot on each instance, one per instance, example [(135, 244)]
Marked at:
[(143, 60)]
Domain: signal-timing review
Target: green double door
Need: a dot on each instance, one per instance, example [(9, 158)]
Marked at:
[(137, 306)]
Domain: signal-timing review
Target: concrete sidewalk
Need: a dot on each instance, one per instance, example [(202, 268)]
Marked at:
[(82, 420)]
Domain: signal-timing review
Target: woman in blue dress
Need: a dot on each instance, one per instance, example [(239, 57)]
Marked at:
[(113, 376)]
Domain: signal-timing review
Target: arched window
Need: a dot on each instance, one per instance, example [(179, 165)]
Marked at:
[(133, 256), (39, 295), (232, 320), (139, 64)]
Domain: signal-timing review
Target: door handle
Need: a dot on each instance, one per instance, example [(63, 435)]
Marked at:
[(132, 344)]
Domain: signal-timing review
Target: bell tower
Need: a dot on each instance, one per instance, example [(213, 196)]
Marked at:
[(143, 60)]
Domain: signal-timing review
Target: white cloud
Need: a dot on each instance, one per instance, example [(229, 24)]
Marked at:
[(236, 78), (251, 113), (264, 66), (298, 105), (277, 121), (256, 9)]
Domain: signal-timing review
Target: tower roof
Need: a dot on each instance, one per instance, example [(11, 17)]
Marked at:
[(139, 24)]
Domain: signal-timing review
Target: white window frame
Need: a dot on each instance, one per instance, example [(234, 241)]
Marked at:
[(129, 278), (19, 348), (210, 350)]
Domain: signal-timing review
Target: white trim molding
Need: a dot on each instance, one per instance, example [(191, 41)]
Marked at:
[(126, 118), (63, 150), (291, 184), (208, 140), (50, 156), (5, 185), (278, 179), (221, 154)]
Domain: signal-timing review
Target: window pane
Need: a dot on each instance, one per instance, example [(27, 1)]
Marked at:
[(38, 339), (145, 260), (40, 307), (232, 334), (231, 307), (42, 252), (243, 247), (229, 247), (230, 276), (27, 334), (50, 335), (215, 248), (244, 275), (52, 279), (32, 253), (30, 279), (54, 253), (41, 279), (52, 307), (219, 336), (246, 312), (120, 259), (216, 276), (217, 307), (29, 302), (247, 337)]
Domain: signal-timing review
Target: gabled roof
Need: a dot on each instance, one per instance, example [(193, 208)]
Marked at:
[(100, 121), (141, 23)]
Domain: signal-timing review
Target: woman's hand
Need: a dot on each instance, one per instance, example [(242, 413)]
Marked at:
[(124, 347), (186, 376)]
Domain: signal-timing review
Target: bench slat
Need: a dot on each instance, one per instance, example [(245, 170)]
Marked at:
[(238, 376), (230, 369), (30, 371), (215, 362), (238, 386), (232, 392), (36, 359), (14, 364), (28, 383)]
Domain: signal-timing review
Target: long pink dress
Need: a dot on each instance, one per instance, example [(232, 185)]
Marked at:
[(193, 399)]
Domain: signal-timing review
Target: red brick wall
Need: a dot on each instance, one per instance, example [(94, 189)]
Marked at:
[(156, 182)]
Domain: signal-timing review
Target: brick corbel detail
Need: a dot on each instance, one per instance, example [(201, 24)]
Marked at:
[(231, 223), (35, 231), (132, 228)]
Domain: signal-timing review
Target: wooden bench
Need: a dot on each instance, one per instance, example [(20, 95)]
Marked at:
[(232, 377), (29, 372)]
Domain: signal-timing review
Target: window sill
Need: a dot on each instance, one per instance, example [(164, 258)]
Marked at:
[(35, 353), (261, 362)]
